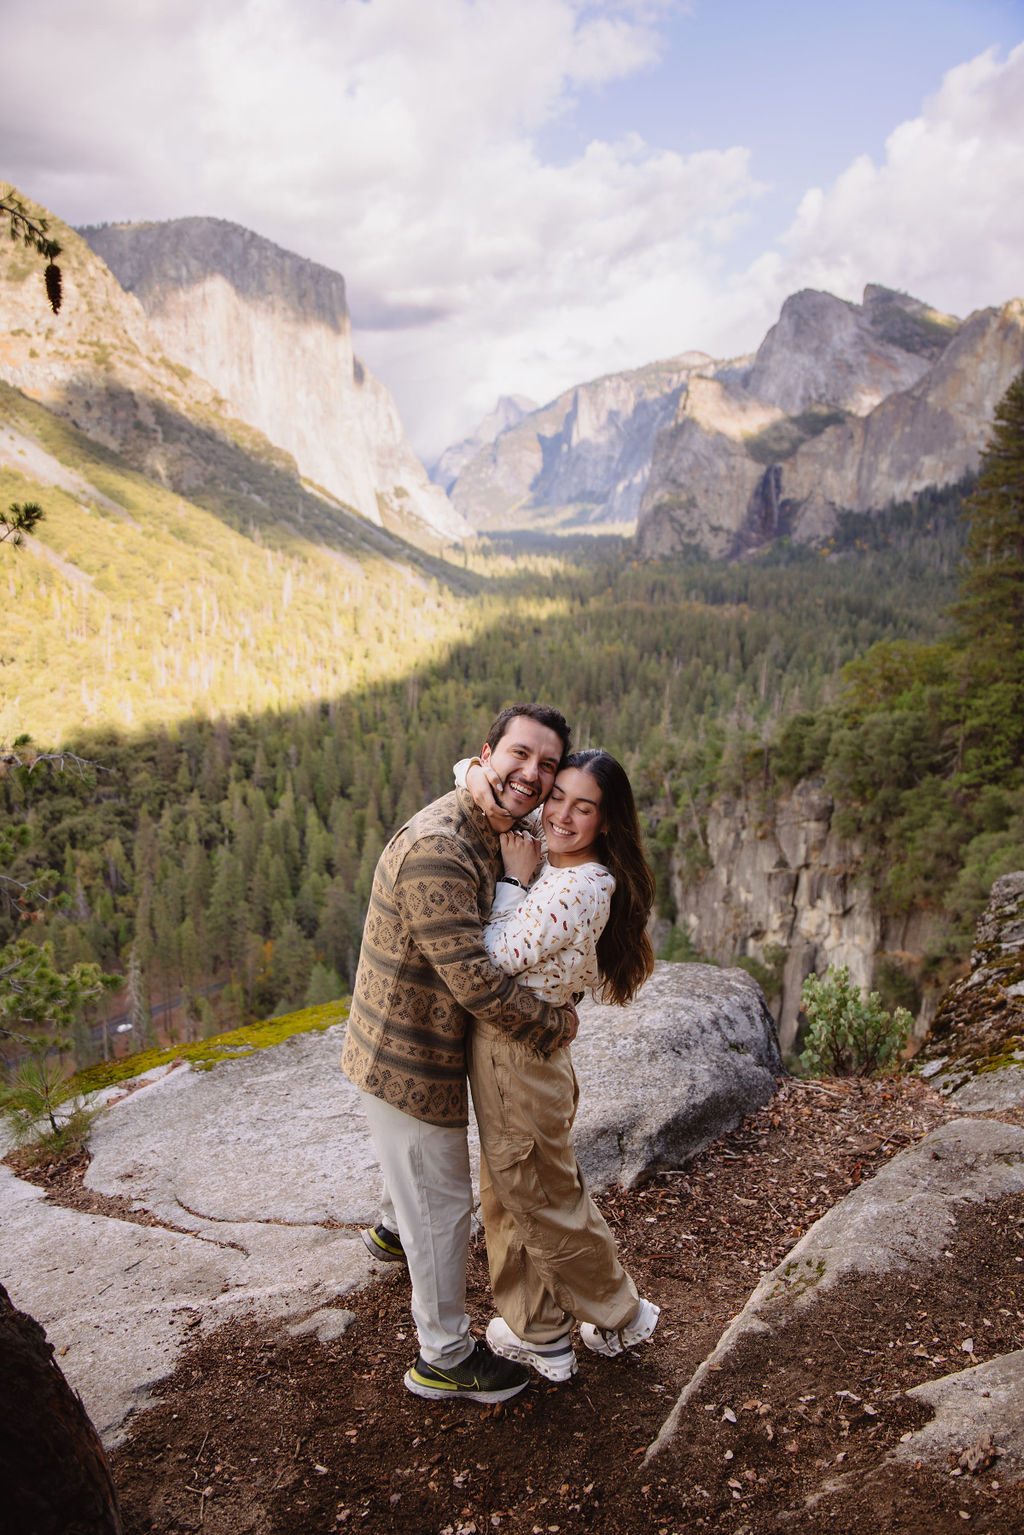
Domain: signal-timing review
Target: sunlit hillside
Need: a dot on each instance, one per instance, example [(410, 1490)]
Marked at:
[(133, 605)]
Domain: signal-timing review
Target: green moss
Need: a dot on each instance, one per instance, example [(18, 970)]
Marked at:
[(205, 1053), (1011, 1055), (799, 1277)]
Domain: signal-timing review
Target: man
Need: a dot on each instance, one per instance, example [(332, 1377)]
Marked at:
[(423, 975)]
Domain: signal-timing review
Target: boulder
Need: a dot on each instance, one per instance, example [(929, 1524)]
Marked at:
[(662, 1078)]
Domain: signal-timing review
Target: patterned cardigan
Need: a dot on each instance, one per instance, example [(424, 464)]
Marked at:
[(423, 970)]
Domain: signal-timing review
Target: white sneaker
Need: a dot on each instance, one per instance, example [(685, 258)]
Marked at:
[(554, 1360), (601, 1340)]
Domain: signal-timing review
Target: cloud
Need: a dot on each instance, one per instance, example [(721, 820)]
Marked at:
[(942, 217), (408, 146), (396, 142)]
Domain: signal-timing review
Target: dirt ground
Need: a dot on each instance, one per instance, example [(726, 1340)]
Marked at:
[(259, 1433)]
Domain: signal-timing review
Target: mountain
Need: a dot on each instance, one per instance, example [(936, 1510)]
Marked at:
[(510, 409), (843, 407), (271, 331), (183, 567), (580, 461)]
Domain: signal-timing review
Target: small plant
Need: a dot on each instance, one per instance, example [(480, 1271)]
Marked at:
[(848, 1035), (37, 1101), (41, 1109)]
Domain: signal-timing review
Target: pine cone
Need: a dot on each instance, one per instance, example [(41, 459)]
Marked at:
[(52, 279)]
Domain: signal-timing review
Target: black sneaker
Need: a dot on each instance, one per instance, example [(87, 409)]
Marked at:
[(483, 1377), (384, 1244)]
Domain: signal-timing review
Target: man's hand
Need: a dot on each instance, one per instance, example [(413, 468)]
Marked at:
[(483, 783)]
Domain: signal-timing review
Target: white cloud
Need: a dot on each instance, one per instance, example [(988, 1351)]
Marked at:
[(400, 142), (942, 217)]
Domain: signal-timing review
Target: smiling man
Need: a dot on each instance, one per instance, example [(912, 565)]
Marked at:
[(423, 975)]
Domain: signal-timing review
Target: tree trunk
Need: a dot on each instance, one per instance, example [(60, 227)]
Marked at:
[(54, 1477)]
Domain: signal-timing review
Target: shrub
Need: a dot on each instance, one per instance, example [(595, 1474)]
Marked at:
[(848, 1035)]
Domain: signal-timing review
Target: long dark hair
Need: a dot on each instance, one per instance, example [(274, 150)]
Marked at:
[(624, 954)]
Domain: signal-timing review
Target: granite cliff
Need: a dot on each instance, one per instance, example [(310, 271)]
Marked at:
[(581, 460), (510, 409), (776, 879), (271, 332), (843, 407)]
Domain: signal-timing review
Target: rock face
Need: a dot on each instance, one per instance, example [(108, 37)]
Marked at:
[(975, 1050), (510, 409), (271, 331), (781, 879), (844, 407), (582, 460)]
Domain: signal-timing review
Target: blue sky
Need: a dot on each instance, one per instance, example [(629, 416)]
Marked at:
[(522, 196)]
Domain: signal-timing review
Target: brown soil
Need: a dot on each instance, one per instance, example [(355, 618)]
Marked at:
[(259, 1433)]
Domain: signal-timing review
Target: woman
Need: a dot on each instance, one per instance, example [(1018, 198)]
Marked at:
[(580, 925)]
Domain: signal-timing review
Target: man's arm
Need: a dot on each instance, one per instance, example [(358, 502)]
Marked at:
[(437, 895)]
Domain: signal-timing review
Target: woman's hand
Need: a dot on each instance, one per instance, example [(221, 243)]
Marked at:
[(520, 854), (483, 783)]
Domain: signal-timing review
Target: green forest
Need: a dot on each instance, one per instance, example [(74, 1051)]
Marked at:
[(221, 862)]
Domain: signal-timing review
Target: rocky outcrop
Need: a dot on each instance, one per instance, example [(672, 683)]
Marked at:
[(899, 1222), (581, 460), (256, 1176), (510, 409), (827, 353), (775, 883), (975, 1049), (844, 407), (271, 331), (930, 434)]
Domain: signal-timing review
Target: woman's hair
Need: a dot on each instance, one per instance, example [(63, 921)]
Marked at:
[(624, 954)]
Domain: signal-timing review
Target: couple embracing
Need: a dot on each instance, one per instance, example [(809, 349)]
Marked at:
[(474, 948)]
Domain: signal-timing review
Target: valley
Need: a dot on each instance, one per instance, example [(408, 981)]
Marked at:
[(270, 659)]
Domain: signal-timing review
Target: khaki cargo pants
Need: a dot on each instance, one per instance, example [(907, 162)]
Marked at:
[(549, 1250)]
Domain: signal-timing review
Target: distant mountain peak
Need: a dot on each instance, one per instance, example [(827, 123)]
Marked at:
[(845, 407)]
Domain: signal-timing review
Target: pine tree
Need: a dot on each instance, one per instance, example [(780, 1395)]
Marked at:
[(990, 612)]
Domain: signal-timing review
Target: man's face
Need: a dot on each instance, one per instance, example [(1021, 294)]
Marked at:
[(526, 759)]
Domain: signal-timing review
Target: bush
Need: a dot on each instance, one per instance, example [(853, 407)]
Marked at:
[(848, 1035)]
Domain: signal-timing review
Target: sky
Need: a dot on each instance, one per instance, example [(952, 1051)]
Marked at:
[(525, 194)]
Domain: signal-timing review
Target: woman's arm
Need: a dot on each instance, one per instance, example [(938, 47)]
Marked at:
[(552, 929)]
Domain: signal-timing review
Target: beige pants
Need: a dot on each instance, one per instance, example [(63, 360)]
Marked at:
[(550, 1253)]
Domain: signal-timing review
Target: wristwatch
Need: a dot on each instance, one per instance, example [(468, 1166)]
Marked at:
[(510, 879)]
